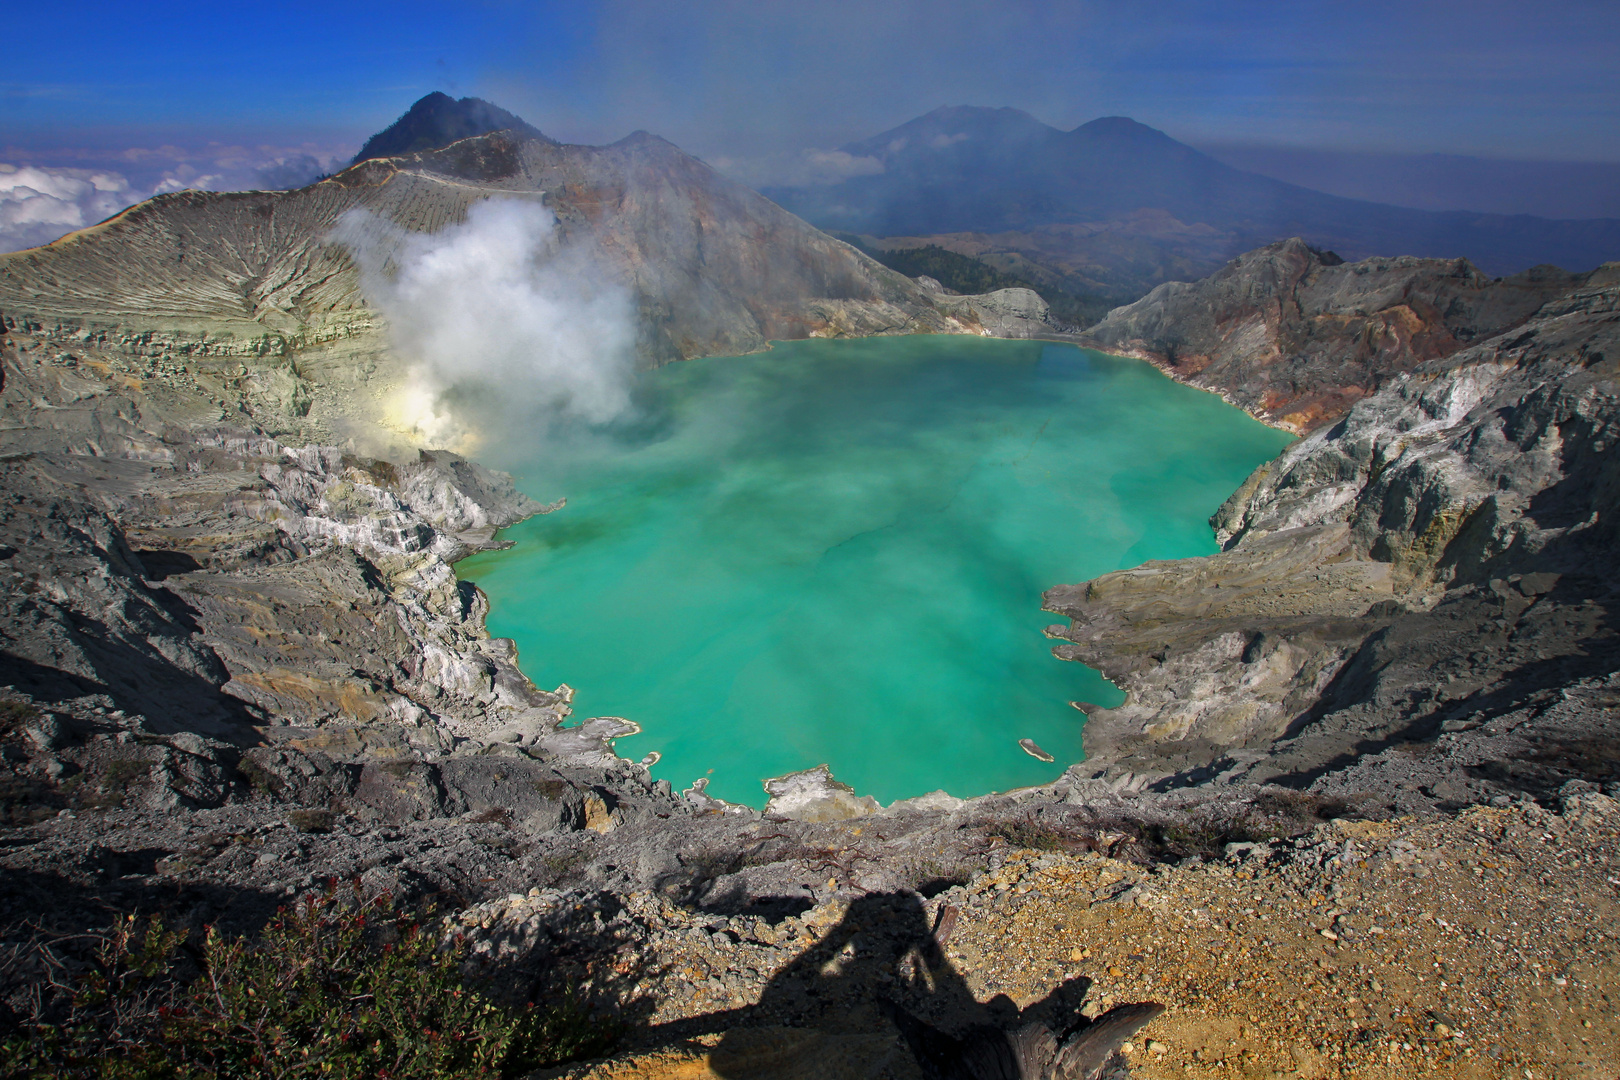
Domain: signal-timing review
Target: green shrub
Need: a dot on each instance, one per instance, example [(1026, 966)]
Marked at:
[(341, 987), (1038, 834)]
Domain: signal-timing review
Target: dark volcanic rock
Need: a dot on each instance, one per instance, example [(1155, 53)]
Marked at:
[(285, 585), (78, 619), (438, 120)]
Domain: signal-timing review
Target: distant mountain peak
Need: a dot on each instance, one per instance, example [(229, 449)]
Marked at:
[(1152, 208), (982, 117), (438, 120), (948, 125), (977, 112), (1115, 127)]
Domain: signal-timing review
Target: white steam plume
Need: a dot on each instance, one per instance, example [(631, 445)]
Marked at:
[(506, 328)]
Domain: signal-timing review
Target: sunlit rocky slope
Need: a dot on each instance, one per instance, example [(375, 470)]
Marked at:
[(1296, 335)]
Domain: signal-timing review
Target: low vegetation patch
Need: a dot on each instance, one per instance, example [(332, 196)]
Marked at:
[(312, 819), (338, 986)]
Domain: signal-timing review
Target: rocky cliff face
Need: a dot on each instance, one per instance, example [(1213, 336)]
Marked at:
[(194, 543), (1296, 336), (199, 614), (1008, 313), (1442, 555), (216, 580)]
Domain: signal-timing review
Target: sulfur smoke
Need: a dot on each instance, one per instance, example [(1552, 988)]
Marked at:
[(507, 329)]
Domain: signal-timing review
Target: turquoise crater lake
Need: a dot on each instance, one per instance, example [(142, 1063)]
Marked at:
[(835, 552)]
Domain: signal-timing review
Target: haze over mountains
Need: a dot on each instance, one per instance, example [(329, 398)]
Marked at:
[(1542, 188), (1115, 206), (1093, 217)]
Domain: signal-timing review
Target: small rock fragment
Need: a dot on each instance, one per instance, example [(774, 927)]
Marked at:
[(1034, 751)]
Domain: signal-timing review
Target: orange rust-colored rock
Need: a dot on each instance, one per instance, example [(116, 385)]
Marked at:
[(1296, 336)]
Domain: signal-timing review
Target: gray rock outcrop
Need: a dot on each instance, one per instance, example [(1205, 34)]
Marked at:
[(1009, 313), (214, 579)]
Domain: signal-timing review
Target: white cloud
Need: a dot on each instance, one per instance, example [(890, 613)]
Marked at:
[(188, 178), (40, 203), (37, 204), (294, 171), (941, 141)]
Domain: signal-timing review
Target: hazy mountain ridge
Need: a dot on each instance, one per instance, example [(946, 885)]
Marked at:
[(1098, 203), (1576, 190)]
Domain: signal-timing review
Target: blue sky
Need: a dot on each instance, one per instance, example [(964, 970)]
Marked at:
[(211, 94), (257, 71), (1504, 79)]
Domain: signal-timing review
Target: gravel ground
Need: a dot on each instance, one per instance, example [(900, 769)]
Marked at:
[(1481, 945)]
